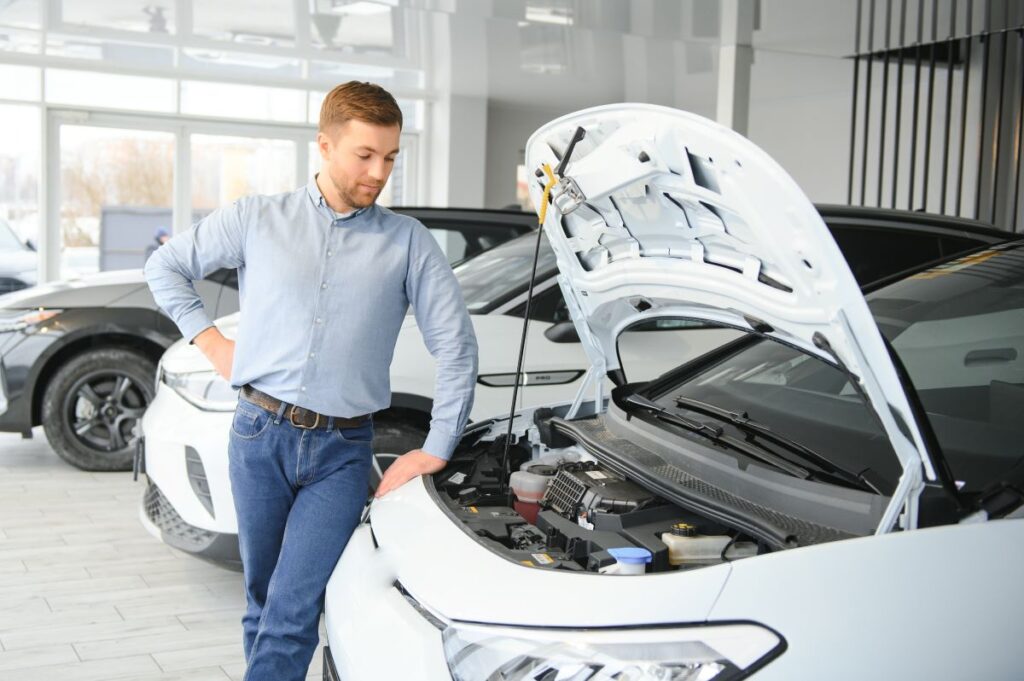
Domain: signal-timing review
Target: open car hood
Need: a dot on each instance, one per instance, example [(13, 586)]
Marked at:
[(662, 213)]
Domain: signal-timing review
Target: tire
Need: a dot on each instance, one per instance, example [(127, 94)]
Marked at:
[(391, 439), (91, 405)]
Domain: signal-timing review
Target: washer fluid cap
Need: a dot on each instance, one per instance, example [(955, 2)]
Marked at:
[(631, 555)]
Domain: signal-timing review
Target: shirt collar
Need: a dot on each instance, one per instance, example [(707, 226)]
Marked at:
[(313, 189)]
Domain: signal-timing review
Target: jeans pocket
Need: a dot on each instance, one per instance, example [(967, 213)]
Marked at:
[(250, 422), (361, 434)]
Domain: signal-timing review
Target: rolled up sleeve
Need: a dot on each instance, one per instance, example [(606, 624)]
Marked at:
[(444, 322), (215, 242)]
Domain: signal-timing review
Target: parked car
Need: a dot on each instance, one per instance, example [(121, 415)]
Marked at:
[(188, 500), (835, 494), (79, 356), (18, 262)]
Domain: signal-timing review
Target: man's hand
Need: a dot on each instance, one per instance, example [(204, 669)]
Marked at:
[(218, 349), (406, 467)]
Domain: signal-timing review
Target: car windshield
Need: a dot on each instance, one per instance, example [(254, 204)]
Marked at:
[(9, 241), (497, 275), (959, 331)]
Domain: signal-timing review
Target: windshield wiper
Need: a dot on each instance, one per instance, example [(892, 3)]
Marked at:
[(755, 429), (717, 435)]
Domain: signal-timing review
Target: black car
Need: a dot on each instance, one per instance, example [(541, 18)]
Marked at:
[(78, 357)]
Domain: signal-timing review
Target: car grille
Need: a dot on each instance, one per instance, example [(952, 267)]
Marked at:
[(173, 529)]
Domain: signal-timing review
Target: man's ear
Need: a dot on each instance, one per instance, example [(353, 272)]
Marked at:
[(323, 144)]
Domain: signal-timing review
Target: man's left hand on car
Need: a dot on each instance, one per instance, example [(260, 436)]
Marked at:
[(406, 467)]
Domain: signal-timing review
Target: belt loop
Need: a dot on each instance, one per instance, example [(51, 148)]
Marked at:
[(280, 413), (330, 423)]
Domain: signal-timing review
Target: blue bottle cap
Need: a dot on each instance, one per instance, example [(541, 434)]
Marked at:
[(631, 555)]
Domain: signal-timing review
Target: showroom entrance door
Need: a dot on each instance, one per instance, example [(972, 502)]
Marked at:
[(120, 184)]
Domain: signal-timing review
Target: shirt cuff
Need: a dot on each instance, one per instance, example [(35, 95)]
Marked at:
[(194, 323), (440, 444)]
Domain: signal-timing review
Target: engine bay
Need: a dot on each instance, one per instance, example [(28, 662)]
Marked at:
[(560, 508)]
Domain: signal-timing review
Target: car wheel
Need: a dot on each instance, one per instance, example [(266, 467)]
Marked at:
[(93, 403), (390, 441)]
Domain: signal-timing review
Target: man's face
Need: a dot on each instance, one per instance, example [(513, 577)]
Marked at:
[(358, 158)]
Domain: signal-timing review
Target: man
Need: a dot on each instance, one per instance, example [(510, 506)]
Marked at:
[(160, 237), (325, 278)]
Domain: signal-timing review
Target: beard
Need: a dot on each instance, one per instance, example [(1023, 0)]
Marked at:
[(353, 193)]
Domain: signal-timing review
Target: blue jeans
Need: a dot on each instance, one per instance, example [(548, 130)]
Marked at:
[(298, 496)]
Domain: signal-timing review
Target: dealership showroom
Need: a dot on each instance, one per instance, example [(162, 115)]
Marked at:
[(511, 340)]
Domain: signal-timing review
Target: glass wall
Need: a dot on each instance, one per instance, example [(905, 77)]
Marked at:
[(19, 195), (226, 168), (117, 188), (180, 74)]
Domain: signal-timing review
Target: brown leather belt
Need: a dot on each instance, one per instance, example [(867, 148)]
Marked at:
[(300, 417)]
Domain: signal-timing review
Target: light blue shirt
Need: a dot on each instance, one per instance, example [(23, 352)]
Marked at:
[(323, 298)]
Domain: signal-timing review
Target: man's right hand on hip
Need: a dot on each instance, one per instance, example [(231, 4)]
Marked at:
[(218, 349)]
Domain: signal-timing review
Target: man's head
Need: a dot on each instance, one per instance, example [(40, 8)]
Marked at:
[(360, 126)]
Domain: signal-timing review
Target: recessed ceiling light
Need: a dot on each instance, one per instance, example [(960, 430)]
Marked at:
[(548, 15), (360, 8)]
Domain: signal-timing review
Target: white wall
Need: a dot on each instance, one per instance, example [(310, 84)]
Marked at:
[(800, 115)]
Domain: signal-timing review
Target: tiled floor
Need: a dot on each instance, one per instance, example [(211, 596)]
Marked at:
[(86, 594)]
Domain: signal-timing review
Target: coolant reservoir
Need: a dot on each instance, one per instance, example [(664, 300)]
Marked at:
[(687, 548), (529, 490), (529, 486)]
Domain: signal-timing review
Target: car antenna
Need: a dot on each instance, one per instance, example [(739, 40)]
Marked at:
[(545, 201)]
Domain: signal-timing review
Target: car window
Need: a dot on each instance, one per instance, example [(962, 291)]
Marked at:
[(547, 306), (461, 239), (498, 275), (874, 253), (959, 331), (453, 244), (797, 396)]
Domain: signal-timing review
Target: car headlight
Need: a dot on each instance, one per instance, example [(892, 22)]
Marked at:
[(27, 319), (697, 653), (204, 389)]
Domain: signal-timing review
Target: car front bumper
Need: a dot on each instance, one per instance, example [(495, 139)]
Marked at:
[(163, 522), (188, 502)]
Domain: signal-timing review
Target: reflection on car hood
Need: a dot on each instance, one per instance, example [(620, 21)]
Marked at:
[(664, 213), (94, 290)]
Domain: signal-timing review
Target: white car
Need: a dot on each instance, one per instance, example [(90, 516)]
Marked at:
[(836, 494), (185, 430)]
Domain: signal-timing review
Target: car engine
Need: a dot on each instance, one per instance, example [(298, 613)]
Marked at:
[(572, 512)]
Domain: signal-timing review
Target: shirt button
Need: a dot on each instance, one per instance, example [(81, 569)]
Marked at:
[(319, 321), (303, 388), (328, 254), (323, 285), (312, 355)]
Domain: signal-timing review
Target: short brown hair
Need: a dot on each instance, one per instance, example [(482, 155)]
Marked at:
[(360, 101)]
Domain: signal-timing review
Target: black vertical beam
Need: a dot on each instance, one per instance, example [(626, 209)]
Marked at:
[(917, 98), (885, 99), (963, 104), (867, 102), (949, 103), (1017, 189), (853, 113), (899, 103), (984, 105), (998, 124), (931, 102)]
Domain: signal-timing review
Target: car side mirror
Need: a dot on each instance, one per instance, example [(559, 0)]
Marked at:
[(562, 332), (30, 244)]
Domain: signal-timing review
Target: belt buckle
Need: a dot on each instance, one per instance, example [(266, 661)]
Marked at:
[(291, 419)]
